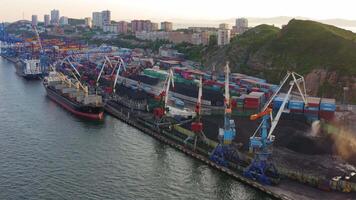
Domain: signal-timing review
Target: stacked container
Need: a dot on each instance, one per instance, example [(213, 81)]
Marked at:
[(278, 100), (253, 102), (296, 105), (311, 111), (327, 109), (239, 103)]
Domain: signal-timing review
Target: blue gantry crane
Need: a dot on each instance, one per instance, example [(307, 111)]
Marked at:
[(262, 168), (224, 152)]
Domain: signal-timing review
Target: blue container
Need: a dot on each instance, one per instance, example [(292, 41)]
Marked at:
[(277, 102), (312, 108), (296, 105), (327, 107)]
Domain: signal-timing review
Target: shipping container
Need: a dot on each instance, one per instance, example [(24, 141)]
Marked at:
[(327, 104)]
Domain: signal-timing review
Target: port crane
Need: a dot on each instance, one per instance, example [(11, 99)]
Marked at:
[(161, 110), (224, 151), (262, 168), (107, 62), (197, 125)]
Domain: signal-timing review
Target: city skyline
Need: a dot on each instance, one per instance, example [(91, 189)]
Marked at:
[(183, 10)]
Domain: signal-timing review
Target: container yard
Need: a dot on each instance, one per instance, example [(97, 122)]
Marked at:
[(257, 132)]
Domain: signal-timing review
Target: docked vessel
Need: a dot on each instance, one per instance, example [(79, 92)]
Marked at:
[(73, 96), (29, 69)]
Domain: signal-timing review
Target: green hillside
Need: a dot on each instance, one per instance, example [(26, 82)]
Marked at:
[(301, 46)]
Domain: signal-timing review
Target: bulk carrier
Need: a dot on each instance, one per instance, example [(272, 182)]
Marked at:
[(73, 96)]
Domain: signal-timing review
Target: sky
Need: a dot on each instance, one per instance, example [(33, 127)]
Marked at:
[(12, 10)]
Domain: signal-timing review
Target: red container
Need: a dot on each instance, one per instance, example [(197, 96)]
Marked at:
[(313, 101), (233, 103), (327, 115)]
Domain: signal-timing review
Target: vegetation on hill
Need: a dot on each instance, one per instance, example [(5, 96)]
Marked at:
[(317, 50)]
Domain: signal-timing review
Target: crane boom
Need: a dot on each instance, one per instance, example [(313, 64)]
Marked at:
[(121, 64), (200, 94), (101, 71), (227, 81), (275, 120), (38, 37), (168, 84), (71, 64)]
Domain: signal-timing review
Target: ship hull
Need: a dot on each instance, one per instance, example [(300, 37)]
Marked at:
[(21, 72), (78, 110)]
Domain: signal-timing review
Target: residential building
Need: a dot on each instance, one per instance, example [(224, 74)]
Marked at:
[(166, 26), (223, 37), (88, 22), (158, 35), (34, 21), (54, 17), (224, 26), (179, 37), (106, 17), (97, 20), (110, 28), (143, 25), (202, 29), (201, 38), (241, 25), (122, 27), (154, 26), (63, 21), (46, 20)]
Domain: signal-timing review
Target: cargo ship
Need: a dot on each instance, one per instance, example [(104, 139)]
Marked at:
[(29, 69), (73, 96)]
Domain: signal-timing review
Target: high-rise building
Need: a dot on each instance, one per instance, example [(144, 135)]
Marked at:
[(34, 20), (46, 20), (223, 37), (241, 25), (97, 19), (88, 22), (63, 21), (167, 26), (154, 26), (122, 27), (143, 25), (54, 17), (106, 17)]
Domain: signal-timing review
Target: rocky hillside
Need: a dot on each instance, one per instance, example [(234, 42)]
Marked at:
[(324, 54)]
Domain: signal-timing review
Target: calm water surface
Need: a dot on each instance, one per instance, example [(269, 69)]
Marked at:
[(46, 153)]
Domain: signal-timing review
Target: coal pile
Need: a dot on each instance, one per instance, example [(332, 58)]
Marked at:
[(216, 97), (135, 94), (145, 79)]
